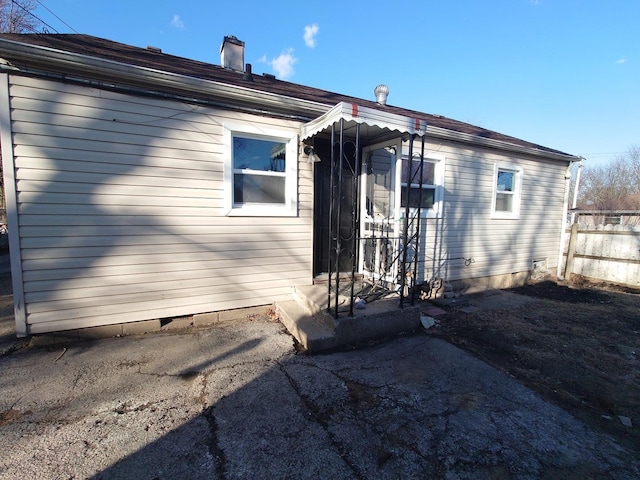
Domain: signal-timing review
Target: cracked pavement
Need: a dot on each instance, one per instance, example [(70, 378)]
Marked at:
[(236, 401)]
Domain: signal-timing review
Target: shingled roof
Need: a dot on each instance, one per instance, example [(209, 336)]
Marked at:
[(151, 58)]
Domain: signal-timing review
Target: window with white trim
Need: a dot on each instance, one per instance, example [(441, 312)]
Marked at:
[(260, 172), (507, 185), (429, 193)]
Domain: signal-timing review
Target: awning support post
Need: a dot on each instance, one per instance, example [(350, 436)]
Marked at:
[(411, 224), (355, 217), (331, 226)]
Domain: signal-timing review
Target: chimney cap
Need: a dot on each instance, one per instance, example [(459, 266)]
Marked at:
[(231, 39)]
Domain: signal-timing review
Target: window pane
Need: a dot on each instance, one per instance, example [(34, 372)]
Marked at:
[(379, 191), (414, 197), (504, 202), (428, 172), (506, 181), (258, 188), (263, 155)]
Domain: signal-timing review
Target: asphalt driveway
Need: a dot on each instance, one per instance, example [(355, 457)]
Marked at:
[(236, 401)]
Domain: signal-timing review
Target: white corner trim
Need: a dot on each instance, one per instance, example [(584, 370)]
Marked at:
[(6, 146)]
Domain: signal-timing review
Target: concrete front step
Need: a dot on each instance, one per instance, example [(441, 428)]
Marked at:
[(309, 329), (316, 330)]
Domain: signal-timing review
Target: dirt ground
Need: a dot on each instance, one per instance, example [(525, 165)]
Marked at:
[(578, 346)]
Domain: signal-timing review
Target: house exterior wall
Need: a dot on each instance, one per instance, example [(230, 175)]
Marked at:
[(120, 212), (465, 242), (121, 215)]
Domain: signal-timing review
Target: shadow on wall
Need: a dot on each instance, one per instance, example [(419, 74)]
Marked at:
[(120, 201), (466, 243)]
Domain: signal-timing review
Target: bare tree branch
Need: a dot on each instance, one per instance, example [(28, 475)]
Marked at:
[(16, 16), (613, 186)]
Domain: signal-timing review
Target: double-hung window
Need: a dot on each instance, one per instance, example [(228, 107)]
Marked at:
[(426, 193), (260, 172), (507, 183)]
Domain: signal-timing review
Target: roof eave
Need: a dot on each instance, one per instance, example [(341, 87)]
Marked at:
[(71, 65), (48, 59), (444, 134)]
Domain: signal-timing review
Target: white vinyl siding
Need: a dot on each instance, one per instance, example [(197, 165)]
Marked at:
[(122, 213), (467, 242)]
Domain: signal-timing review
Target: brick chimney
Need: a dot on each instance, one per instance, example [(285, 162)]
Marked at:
[(232, 54)]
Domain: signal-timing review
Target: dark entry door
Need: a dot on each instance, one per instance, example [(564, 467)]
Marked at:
[(322, 211)]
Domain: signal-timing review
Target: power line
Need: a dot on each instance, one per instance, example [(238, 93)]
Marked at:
[(599, 154), (48, 10), (34, 16)]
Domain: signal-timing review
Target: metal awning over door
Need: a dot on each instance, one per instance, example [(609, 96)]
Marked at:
[(376, 125), (351, 127)]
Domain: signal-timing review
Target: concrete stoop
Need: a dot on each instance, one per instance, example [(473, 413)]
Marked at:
[(306, 319)]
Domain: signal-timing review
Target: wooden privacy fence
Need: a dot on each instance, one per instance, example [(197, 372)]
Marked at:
[(604, 252)]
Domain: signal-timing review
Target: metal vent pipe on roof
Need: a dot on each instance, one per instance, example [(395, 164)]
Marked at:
[(381, 92), (248, 76)]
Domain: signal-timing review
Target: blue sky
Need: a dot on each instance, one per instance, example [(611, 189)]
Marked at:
[(561, 73)]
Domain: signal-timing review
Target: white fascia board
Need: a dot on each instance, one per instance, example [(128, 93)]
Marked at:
[(353, 112)]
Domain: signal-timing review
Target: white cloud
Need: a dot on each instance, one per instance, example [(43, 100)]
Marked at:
[(622, 60), (310, 33), (177, 22), (282, 65)]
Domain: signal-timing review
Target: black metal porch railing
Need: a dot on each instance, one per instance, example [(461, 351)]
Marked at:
[(400, 258)]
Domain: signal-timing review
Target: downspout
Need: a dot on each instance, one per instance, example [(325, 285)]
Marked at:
[(565, 212), (576, 189)]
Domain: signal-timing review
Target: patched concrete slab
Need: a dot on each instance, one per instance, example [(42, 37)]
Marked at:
[(235, 401)]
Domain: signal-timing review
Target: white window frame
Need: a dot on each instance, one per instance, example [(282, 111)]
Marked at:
[(517, 193), (290, 206), (438, 186)]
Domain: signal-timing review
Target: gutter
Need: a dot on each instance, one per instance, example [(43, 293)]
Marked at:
[(150, 93), (444, 134)]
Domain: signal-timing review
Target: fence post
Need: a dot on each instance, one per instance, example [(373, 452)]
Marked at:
[(571, 250)]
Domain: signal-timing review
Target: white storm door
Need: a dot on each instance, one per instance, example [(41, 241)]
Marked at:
[(379, 237)]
